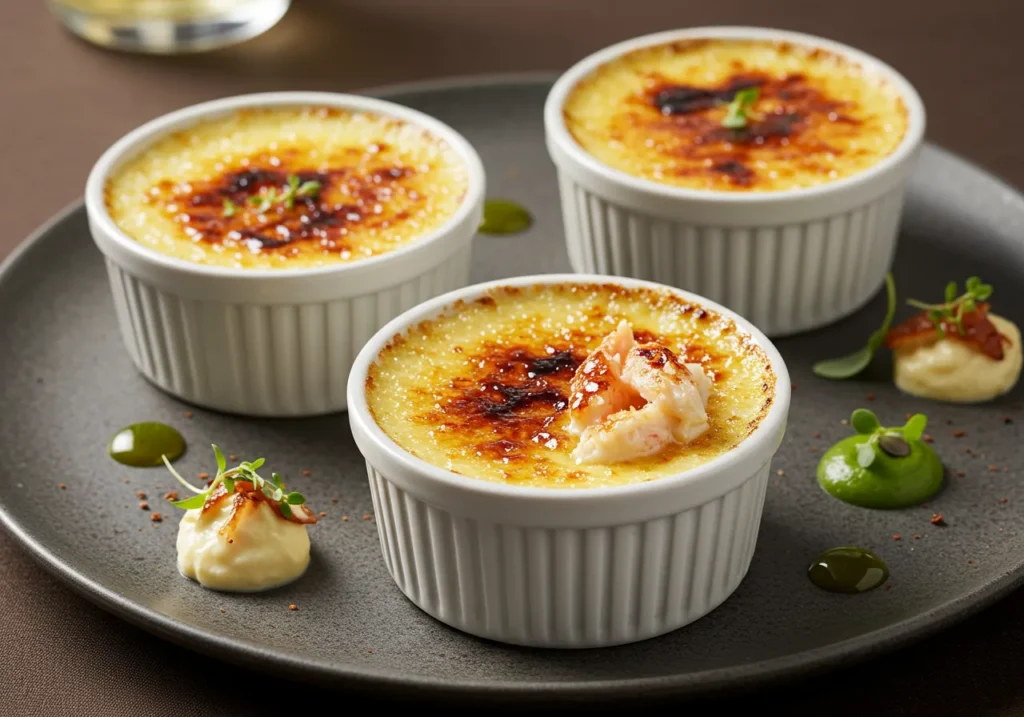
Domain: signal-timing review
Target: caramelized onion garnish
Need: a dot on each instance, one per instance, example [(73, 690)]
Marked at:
[(979, 333), (245, 492)]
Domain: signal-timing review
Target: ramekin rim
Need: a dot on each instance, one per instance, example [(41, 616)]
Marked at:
[(558, 133), (150, 131), (768, 431)]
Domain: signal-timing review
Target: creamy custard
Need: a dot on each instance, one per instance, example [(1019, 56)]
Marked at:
[(957, 371), (657, 113), (237, 543), (484, 389), (288, 188)]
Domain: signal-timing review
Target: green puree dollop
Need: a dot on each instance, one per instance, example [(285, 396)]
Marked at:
[(144, 444), (882, 467)]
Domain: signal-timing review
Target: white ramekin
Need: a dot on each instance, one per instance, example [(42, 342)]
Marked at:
[(565, 568), (789, 261), (270, 343)]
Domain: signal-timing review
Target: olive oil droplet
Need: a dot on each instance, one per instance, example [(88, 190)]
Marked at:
[(143, 444), (848, 570), (504, 217)]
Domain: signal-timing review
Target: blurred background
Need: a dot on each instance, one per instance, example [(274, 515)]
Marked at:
[(64, 100)]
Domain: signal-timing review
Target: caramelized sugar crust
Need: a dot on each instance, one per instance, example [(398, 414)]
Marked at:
[(288, 188), (484, 390), (657, 113)]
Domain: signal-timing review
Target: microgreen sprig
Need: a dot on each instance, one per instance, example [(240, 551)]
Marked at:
[(740, 108), (229, 208), (294, 189), (894, 442), (246, 471), (956, 304), (852, 364), (297, 188)]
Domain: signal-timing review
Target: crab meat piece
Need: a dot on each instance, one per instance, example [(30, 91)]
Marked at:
[(632, 400), (660, 377), (597, 389), (626, 435)]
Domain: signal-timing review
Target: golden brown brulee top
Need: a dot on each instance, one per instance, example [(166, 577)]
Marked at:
[(483, 389), (288, 188), (657, 113)]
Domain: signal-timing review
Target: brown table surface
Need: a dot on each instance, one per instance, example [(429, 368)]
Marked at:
[(62, 102)]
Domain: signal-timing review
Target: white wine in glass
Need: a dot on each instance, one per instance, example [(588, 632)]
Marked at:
[(168, 26)]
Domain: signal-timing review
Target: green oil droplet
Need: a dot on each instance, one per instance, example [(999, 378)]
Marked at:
[(848, 570), (504, 217), (142, 444)]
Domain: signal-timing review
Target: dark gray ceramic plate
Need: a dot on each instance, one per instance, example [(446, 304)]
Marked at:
[(68, 384)]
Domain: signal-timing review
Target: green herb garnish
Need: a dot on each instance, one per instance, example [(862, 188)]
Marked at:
[(246, 471), (294, 189), (893, 441), (263, 202), (740, 108), (852, 364), (956, 305), (229, 208)]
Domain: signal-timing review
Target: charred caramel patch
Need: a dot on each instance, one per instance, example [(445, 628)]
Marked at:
[(658, 356), (787, 110), (238, 207), (508, 400), (657, 113), (498, 409)]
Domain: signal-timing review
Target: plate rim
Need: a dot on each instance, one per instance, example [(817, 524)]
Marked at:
[(735, 677)]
